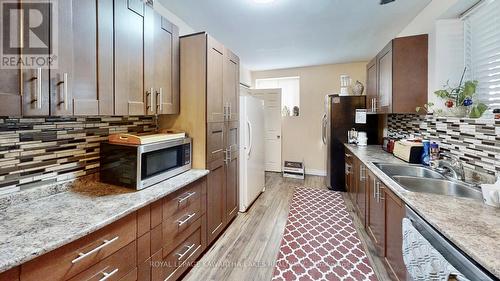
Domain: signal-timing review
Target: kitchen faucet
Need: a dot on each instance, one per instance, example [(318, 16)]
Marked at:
[(452, 166)]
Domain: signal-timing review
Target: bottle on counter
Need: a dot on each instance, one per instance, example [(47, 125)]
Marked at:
[(434, 151), (426, 157)]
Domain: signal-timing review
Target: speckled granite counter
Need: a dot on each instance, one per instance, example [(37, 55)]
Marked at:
[(471, 225), (34, 228)]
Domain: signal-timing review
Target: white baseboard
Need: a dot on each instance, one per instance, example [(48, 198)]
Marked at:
[(314, 172)]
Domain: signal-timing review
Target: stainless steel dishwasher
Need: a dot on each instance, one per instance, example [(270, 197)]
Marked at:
[(430, 256)]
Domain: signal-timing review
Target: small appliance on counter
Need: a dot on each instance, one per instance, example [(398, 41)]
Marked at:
[(362, 139), (141, 161), (409, 151)]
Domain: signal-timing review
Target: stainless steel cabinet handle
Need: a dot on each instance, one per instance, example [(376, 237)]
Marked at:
[(84, 255), (108, 275), (64, 83), (380, 193), (160, 101), (362, 171), (348, 169), (374, 189), (217, 151), (181, 256), (230, 106), (149, 94), (38, 95), (184, 221), (189, 195)]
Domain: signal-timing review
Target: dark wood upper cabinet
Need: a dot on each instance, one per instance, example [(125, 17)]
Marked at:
[(397, 79), (161, 75), (216, 111), (10, 87), (105, 57), (371, 85), (383, 102), (73, 84), (231, 91), (35, 84), (130, 98)]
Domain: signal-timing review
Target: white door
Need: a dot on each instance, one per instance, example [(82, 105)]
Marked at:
[(272, 127), (252, 174)]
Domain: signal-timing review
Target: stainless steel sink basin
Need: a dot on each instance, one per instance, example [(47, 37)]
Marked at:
[(408, 170), (438, 186)]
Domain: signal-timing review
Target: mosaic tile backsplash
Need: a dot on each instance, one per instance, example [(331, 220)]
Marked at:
[(475, 141), (39, 151)]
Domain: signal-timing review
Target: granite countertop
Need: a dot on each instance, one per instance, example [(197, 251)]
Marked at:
[(34, 228), (469, 224)]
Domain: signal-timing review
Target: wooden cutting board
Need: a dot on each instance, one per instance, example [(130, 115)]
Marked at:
[(145, 139)]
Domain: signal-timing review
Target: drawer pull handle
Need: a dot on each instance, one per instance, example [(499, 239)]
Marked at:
[(181, 256), (217, 151), (189, 195), (182, 222), (84, 255), (108, 275)]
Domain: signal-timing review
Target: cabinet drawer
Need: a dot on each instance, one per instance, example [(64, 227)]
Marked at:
[(177, 203), (215, 141), (69, 260), (175, 228), (114, 267), (177, 260)]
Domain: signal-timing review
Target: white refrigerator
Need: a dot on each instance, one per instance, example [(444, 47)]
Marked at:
[(252, 175)]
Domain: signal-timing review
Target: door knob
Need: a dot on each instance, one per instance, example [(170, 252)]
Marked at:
[(278, 137)]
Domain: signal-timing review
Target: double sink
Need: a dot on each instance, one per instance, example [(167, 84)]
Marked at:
[(416, 178)]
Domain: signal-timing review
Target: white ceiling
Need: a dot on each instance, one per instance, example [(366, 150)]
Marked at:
[(293, 33)]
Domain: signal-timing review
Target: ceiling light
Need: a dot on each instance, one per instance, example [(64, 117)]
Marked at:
[(263, 1)]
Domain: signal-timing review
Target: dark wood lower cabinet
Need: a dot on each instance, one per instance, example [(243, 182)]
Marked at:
[(215, 201), (361, 183), (157, 242), (382, 213), (394, 214), (375, 219)]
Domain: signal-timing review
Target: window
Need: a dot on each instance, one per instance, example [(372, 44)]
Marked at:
[(290, 92), (482, 51)]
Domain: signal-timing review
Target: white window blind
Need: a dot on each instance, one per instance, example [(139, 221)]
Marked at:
[(482, 51), (290, 91)]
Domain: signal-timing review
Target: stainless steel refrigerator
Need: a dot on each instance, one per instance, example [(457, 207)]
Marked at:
[(339, 118)]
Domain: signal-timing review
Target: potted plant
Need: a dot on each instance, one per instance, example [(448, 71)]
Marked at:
[(459, 101)]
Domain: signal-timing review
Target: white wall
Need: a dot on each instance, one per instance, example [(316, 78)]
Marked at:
[(301, 135), (446, 41), (185, 28)]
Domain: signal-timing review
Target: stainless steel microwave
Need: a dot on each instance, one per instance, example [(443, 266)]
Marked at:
[(141, 166)]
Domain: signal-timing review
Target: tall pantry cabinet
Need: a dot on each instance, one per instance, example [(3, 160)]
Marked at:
[(209, 76)]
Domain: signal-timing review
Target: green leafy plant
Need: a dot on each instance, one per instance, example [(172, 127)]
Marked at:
[(458, 97)]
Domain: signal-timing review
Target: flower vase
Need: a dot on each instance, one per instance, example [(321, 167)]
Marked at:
[(460, 111)]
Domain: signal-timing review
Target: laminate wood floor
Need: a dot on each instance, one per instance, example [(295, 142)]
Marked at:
[(247, 250)]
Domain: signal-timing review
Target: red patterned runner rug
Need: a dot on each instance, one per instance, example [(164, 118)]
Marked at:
[(320, 241)]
